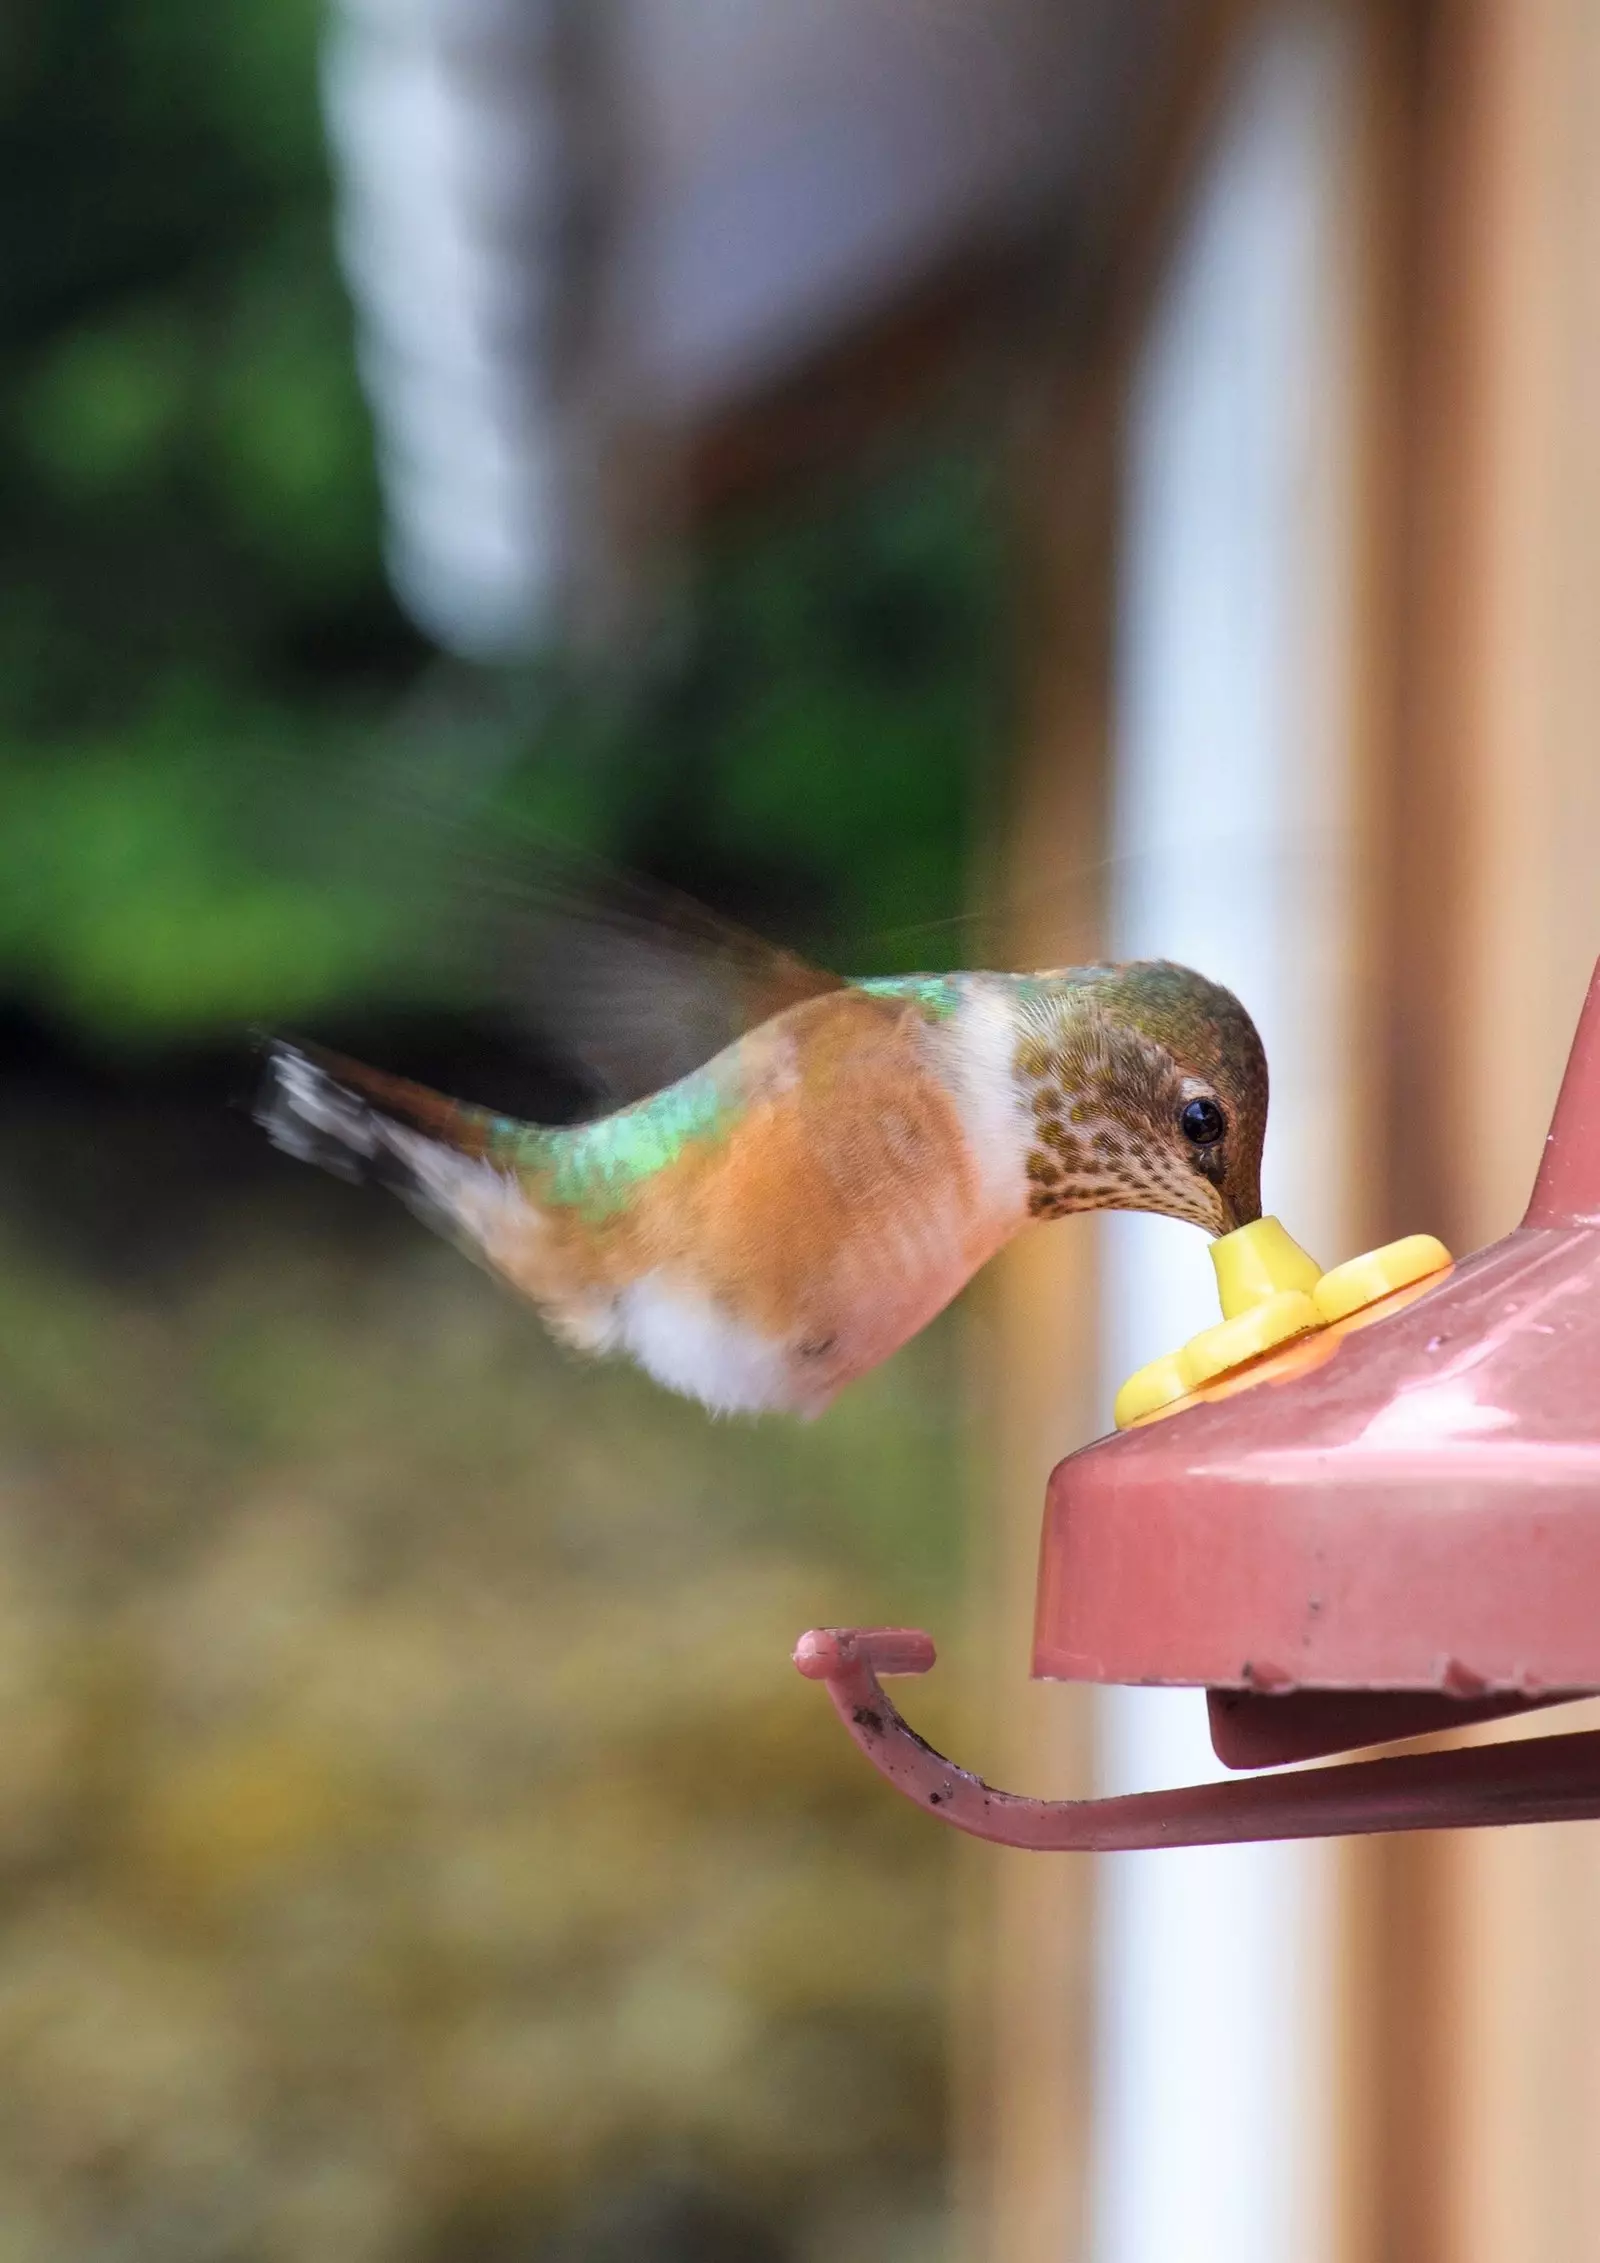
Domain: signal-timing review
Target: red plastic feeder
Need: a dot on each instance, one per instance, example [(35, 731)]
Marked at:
[(1389, 1529)]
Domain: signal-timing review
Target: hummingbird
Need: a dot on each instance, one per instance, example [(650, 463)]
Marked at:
[(819, 1164)]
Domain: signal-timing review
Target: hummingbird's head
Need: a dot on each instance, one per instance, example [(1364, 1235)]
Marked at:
[(1148, 1087)]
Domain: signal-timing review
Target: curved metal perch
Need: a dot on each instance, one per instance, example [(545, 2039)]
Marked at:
[(1534, 1780)]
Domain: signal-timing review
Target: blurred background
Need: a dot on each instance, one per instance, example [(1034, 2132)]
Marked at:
[(942, 485)]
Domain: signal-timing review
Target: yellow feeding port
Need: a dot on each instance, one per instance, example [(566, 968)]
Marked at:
[(1271, 1293), (1149, 1389), (1260, 1328), (1378, 1273), (1260, 1261)]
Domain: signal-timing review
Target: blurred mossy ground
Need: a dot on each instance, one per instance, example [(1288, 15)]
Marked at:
[(414, 1841)]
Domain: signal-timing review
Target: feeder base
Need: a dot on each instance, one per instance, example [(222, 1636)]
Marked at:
[(1249, 1730)]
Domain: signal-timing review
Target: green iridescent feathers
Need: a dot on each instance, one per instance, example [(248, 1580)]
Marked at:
[(594, 1167)]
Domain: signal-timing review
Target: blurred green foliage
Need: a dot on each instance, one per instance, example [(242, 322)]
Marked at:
[(191, 587)]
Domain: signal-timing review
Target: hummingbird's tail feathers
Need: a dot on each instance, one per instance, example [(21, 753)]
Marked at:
[(306, 1114), (309, 1068), (363, 1124)]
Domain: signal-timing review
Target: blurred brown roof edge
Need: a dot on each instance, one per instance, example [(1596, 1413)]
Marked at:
[(671, 262), (1061, 298)]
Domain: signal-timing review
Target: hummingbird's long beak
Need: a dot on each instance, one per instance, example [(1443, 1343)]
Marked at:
[(1234, 1214), (1241, 1202)]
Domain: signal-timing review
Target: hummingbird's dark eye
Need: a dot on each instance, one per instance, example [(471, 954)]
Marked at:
[(1203, 1123)]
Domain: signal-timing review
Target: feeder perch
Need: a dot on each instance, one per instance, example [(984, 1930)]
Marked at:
[(1364, 1507)]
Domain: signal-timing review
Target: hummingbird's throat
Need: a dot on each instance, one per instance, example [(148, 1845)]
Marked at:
[(1081, 1157)]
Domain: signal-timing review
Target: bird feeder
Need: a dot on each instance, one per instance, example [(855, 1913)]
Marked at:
[(1369, 1512)]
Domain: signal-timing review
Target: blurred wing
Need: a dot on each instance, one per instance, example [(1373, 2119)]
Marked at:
[(623, 978), (631, 981)]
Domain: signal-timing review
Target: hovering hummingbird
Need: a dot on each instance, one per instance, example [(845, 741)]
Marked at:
[(819, 1165)]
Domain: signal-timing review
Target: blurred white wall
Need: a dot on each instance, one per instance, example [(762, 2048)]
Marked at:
[(1231, 832), (464, 141), (576, 230)]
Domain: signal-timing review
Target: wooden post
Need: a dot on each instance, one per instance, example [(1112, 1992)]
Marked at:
[(1519, 2023), (1475, 1960)]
